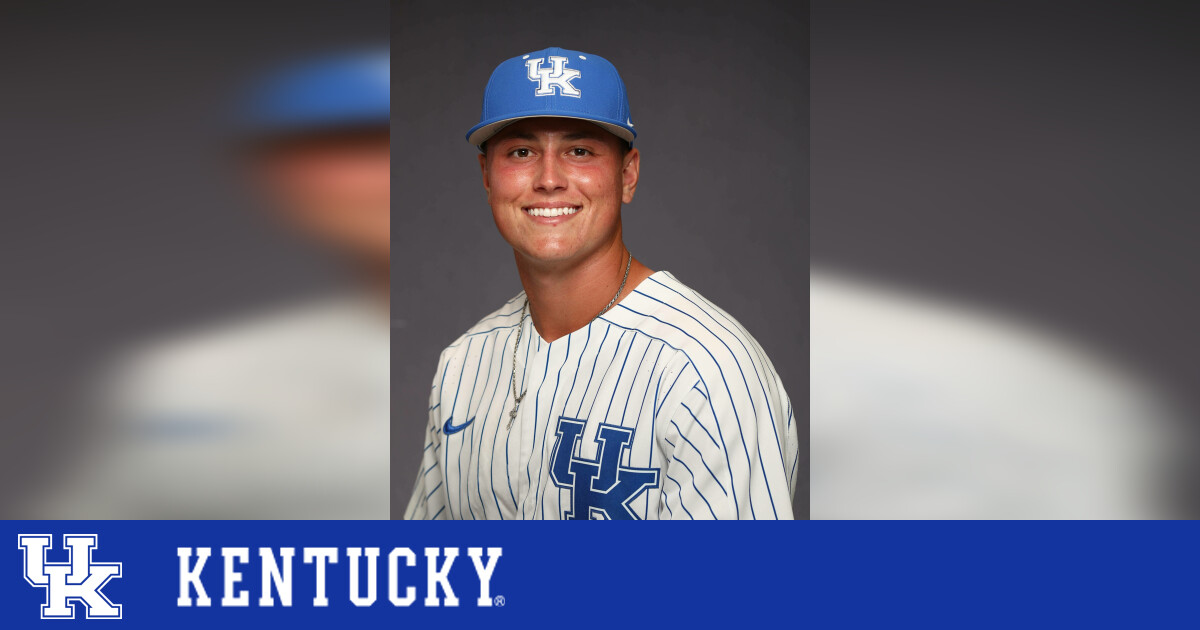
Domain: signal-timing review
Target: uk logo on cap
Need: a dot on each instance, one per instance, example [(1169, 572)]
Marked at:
[(557, 76), (557, 83)]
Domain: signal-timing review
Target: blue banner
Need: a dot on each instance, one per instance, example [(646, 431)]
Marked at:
[(183, 574)]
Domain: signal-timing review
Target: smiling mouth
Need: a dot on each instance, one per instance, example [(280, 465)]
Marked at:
[(551, 212)]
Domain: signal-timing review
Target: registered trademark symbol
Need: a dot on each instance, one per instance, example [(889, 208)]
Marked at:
[(498, 600)]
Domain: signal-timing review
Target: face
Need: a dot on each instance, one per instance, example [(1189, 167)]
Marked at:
[(556, 186), (336, 188)]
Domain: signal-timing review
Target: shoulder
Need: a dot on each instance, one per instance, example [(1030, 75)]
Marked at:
[(702, 333), (928, 370), (262, 373), (344, 331)]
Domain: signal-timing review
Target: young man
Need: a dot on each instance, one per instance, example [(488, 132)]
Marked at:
[(605, 390)]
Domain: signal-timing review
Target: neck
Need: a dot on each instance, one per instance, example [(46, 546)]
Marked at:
[(565, 299), (381, 286)]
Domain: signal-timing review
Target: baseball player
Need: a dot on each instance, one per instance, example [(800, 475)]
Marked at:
[(604, 390)]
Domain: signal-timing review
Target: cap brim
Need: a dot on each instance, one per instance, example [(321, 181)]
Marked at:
[(483, 133)]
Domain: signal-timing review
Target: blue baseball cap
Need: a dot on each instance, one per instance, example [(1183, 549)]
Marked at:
[(557, 83), (331, 91)]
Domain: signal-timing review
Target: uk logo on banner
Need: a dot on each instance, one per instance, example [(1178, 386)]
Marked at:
[(77, 581)]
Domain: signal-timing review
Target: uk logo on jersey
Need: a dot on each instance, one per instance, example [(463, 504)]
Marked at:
[(79, 580), (601, 488), (556, 76)]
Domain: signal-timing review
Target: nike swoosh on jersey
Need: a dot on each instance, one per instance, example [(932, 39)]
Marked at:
[(449, 428)]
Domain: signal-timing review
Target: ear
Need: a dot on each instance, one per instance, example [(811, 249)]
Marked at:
[(483, 171), (629, 175)]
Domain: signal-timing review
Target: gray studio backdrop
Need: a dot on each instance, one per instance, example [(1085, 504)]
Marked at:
[(718, 92)]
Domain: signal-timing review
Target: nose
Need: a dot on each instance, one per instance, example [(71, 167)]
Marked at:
[(550, 176)]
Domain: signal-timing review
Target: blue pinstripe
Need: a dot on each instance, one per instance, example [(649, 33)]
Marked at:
[(495, 439), (524, 372), (733, 407), (686, 467), (486, 416), (671, 388), (757, 351), (474, 426), (603, 376), (700, 424), (650, 451), (553, 397), (681, 504), (453, 407), (617, 385), (662, 313), (736, 507), (599, 350), (714, 475), (649, 377)]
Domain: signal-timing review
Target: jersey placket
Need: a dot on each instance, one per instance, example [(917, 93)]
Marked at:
[(531, 361)]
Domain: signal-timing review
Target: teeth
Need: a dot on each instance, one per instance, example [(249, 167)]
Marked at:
[(551, 212)]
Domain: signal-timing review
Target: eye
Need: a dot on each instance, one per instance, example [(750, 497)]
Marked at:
[(519, 153), (580, 152)]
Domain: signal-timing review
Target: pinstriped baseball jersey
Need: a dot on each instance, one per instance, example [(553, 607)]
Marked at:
[(664, 407)]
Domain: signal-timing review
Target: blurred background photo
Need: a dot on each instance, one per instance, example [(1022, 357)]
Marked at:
[(196, 259), (1003, 297)]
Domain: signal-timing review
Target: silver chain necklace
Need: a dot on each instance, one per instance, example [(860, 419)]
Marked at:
[(512, 415)]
